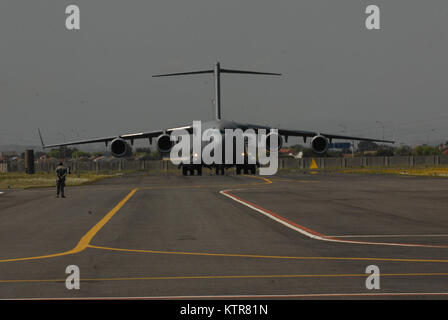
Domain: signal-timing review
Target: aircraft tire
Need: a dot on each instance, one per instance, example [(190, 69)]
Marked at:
[(238, 170), (253, 169)]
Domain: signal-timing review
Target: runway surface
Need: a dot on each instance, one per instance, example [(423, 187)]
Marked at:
[(290, 236)]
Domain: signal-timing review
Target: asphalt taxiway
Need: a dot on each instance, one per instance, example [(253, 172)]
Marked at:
[(285, 236)]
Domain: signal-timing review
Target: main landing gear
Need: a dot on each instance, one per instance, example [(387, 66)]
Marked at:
[(191, 170), (246, 169), (220, 170)]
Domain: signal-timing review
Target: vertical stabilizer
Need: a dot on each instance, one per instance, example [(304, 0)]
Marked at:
[(217, 75), (218, 90)]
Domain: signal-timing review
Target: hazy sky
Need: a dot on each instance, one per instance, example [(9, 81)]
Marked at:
[(337, 75)]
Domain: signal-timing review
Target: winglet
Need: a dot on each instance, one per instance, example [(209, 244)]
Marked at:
[(41, 140)]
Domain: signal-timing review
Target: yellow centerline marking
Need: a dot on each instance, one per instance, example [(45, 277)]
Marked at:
[(85, 240), (262, 256), (261, 178), (294, 180), (232, 277)]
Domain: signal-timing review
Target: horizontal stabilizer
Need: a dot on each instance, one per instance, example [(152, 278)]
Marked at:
[(249, 72), (183, 73)]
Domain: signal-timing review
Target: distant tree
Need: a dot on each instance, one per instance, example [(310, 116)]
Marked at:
[(67, 152), (98, 154), (147, 154), (155, 155), (62, 152), (426, 151), (143, 150), (54, 153), (403, 151), (79, 154)]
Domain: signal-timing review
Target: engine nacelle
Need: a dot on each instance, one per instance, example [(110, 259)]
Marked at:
[(319, 144), (274, 136), (164, 143), (120, 148)]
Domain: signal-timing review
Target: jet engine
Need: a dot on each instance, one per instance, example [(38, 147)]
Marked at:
[(319, 144), (120, 148), (164, 143), (274, 136)]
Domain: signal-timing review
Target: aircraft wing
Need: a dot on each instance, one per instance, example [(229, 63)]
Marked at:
[(306, 134), (129, 136)]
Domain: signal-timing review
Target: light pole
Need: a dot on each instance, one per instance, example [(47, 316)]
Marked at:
[(427, 135), (382, 126)]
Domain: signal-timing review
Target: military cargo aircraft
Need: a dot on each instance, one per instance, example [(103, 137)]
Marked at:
[(121, 145)]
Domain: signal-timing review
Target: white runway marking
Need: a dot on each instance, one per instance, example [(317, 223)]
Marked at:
[(311, 233), (390, 236)]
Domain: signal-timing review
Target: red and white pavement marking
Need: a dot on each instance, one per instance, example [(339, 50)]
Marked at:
[(311, 233)]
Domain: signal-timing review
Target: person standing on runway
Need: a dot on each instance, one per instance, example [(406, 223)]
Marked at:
[(61, 172)]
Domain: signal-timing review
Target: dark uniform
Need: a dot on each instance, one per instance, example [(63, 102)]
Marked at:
[(61, 172)]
